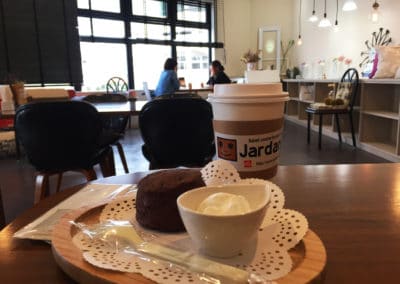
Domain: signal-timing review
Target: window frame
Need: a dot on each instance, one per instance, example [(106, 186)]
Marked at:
[(126, 15)]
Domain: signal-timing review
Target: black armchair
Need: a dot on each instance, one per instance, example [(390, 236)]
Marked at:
[(60, 137), (113, 126), (177, 131)]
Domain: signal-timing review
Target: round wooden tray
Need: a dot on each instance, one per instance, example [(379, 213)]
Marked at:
[(309, 256)]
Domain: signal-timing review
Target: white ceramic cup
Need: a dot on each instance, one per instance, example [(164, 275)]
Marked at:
[(223, 236), (248, 123)]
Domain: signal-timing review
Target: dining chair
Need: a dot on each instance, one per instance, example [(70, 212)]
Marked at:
[(177, 131), (60, 137), (350, 82), (116, 84), (2, 213), (114, 126)]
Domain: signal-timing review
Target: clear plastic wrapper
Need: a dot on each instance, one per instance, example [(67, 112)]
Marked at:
[(41, 228), (123, 237)]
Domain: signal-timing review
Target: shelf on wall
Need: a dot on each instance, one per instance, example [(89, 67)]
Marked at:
[(389, 148), (384, 114), (301, 101)]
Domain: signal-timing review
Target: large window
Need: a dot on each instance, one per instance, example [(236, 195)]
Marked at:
[(100, 62), (133, 38)]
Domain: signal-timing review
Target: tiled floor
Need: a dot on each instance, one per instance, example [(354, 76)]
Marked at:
[(17, 177)]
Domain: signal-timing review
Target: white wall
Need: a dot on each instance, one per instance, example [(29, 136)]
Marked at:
[(242, 20), (271, 13), (237, 35), (355, 29)]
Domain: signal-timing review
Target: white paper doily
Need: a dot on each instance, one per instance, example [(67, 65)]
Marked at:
[(281, 230)]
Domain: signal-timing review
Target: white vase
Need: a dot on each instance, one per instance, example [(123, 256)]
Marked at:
[(251, 66)]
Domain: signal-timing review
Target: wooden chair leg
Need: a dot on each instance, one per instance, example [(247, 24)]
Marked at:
[(17, 148), (338, 127), (59, 180), (353, 136), (320, 131), (107, 164), (89, 174), (122, 156), (41, 187), (2, 213), (308, 127)]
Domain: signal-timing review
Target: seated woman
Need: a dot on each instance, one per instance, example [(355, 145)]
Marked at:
[(218, 75), (168, 82)]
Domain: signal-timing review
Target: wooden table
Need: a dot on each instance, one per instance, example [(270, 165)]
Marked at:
[(115, 108), (355, 209)]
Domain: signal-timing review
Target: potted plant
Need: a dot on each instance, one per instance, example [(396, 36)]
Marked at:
[(284, 53), (251, 59), (18, 89)]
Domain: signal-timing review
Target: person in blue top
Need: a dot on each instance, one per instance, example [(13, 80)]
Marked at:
[(168, 82)]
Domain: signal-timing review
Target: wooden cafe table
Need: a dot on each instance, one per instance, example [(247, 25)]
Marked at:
[(355, 209)]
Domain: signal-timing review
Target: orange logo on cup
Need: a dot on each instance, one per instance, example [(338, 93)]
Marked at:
[(227, 149), (247, 164)]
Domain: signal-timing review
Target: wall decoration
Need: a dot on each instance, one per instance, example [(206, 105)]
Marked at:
[(382, 37)]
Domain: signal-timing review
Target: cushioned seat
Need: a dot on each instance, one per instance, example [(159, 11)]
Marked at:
[(177, 131), (62, 136)]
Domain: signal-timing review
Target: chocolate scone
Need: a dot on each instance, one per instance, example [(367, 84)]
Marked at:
[(156, 206)]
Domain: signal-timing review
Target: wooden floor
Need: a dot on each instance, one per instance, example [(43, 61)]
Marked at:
[(17, 177)]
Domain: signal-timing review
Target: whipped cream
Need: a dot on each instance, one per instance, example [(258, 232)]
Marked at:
[(221, 204)]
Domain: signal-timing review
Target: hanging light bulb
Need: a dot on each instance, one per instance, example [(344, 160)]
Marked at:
[(299, 40), (324, 23), (349, 5), (375, 12), (336, 26), (313, 17)]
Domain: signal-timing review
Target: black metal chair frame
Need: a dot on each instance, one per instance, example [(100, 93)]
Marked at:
[(351, 75)]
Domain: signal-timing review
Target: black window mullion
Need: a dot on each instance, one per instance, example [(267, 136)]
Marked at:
[(208, 20), (149, 20), (100, 14), (126, 11), (172, 15)]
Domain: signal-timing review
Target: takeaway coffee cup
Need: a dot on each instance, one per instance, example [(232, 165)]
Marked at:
[(248, 123)]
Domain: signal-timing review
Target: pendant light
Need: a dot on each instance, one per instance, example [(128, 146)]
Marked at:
[(375, 12), (324, 23), (299, 40), (349, 5), (336, 26), (313, 17)]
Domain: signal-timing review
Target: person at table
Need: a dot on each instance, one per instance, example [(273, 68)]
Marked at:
[(168, 82), (218, 75)]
